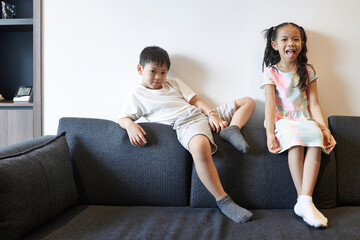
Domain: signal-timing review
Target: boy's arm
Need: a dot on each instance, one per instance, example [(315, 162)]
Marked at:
[(216, 123), (135, 131)]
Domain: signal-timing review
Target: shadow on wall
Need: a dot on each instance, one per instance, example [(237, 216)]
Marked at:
[(258, 117), (332, 91), (194, 75), (191, 73)]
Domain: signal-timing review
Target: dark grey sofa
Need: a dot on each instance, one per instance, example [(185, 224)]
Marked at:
[(91, 183)]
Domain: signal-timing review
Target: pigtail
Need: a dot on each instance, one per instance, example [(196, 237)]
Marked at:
[(302, 62), (271, 56)]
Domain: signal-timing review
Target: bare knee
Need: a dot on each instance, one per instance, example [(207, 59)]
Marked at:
[(199, 145), (245, 101)]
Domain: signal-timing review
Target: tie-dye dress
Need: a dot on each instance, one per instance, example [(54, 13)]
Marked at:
[(293, 123)]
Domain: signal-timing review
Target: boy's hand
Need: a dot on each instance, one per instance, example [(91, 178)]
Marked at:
[(216, 123), (135, 131), (136, 134), (273, 144)]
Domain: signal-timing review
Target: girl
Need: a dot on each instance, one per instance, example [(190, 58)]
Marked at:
[(293, 118)]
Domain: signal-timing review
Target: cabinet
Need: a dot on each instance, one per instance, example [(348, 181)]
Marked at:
[(20, 65)]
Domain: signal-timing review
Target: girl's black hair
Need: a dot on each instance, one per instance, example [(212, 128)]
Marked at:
[(272, 57), (156, 55)]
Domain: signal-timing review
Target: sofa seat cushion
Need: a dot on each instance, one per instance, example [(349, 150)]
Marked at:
[(260, 179), (36, 184), (119, 222), (110, 171)]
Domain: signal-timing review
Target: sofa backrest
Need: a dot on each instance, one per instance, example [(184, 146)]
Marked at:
[(260, 179), (346, 131), (108, 170)]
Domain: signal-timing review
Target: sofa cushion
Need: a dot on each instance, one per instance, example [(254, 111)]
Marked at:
[(122, 222), (260, 179), (36, 184), (346, 131), (110, 171)]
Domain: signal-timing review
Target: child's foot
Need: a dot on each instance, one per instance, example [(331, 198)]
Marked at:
[(306, 209), (232, 135), (233, 211)]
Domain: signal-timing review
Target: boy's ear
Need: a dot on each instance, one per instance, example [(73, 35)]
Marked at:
[(139, 69), (274, 45)]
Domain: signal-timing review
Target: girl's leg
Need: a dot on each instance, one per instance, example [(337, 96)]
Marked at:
[(296, 166), (200, 150), (311, 170), (244, 109), (304, 175)]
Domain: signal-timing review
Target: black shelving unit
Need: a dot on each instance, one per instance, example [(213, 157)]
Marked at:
[(20, 65)]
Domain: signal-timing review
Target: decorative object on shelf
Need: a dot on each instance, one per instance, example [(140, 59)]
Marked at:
[(7, 10), (23, 94), (1, 98)]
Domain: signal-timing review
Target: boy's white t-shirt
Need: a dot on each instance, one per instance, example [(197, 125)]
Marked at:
[(163, 105)]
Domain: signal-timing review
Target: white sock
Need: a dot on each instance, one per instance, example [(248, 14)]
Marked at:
[(306, 209), (318, 213)]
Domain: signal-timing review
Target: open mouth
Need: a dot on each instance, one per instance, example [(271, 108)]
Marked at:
[(290, 53)]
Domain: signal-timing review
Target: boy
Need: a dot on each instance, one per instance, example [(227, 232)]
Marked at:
[(172, 102)]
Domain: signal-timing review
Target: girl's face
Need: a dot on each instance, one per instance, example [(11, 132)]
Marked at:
[(288, 43)]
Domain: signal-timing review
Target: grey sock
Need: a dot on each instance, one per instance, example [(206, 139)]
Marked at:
[(233, 211), (232, 135)]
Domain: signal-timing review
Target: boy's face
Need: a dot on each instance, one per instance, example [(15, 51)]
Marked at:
[(153, 76)]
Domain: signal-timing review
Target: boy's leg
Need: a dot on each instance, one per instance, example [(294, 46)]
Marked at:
[(200, 150), (244, 109), (199, 147)]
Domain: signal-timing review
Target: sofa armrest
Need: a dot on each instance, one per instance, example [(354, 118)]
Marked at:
[(346, 131), (36, 184)]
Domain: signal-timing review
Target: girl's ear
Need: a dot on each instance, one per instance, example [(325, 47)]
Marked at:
[(274, 45), (139, 69)]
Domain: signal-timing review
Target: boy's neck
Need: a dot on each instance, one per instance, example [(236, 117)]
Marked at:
[(147, 87)]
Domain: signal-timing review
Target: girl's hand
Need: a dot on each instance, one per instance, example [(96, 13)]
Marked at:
[(329, 141), (136, 134), (216, 123), (273, 144)]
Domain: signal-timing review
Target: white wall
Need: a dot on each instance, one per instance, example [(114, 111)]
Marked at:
[(91, 48)]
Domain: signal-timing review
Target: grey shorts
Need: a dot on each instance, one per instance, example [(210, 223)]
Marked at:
[(193, 122), (226, 111)]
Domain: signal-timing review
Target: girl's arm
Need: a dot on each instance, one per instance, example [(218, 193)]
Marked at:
[(216, 123), (270, 105), (317, 113), (314, 105)]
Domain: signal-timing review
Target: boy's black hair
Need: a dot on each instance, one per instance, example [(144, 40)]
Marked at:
[(272, 57), (156, 55)]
